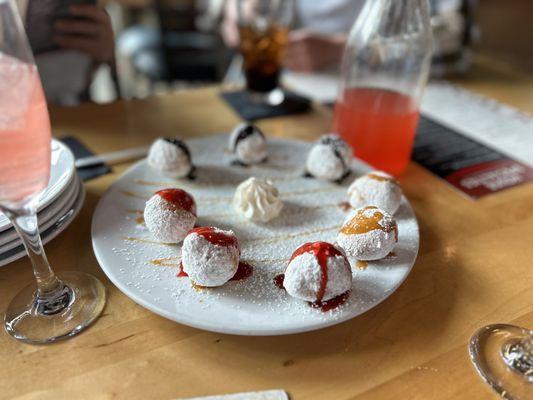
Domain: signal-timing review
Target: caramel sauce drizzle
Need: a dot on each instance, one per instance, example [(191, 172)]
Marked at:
[(230, 198), (270, 261), (244, 271), (138, 212), (140, 219), (134, 195), (234, 214), (198, 288), (361, 224), (262, 240), (362, 265), (309, 191), (222, 215), (142, 182), (140, 240), (292, 236), (380, 178), (165, 262)]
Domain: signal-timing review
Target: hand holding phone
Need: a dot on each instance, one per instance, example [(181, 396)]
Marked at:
[(87, 28), (62, 9)]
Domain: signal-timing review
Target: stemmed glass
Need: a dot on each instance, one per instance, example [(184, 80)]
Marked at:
[(55, 307), (263, 30), (503, 356)]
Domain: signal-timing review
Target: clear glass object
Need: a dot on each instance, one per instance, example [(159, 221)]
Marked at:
[(55, 306), (503, 356), (263, 31), (384, 71)]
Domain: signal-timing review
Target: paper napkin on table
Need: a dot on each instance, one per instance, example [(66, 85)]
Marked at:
[(265, 395)]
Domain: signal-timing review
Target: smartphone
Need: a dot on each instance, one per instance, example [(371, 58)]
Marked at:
[(40, 18), (62, 10)]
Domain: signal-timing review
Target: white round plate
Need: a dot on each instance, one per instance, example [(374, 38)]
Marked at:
[(9, 237), (61, 172), (53, 229), (146, 271)]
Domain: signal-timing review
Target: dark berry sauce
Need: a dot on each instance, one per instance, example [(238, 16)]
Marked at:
[(331, 304), (278, 281), (246, 131), (181, 145)]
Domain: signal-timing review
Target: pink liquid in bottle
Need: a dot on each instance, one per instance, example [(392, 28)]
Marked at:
[(24, 132), (380, 125)]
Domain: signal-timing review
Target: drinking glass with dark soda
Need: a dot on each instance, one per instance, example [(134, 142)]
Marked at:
[(263, 30)]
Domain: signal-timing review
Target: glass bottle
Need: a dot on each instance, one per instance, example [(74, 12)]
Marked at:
[(385, 68)]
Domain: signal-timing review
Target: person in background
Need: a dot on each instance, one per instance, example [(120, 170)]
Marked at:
[(67, 47), (320, 31)]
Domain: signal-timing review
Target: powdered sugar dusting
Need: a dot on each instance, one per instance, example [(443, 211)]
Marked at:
[(209, 264), (166, 222), (329, 158), (169, 159), (375, 189), (303, 277), (254, 305)]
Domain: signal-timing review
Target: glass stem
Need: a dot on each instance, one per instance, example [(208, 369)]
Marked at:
[(25, 223)]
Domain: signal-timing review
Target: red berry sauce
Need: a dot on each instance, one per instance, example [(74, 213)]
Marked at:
[(181, 273), (180, 198), (244, 271), (216, 237), (322, 251)]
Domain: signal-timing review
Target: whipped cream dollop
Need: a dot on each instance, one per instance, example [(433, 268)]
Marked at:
[(257, 200)]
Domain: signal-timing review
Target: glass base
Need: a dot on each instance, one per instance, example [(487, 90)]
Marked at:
[(500, 359), (273, 98), (37, 321)]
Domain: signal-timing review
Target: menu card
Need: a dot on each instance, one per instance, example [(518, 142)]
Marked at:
[(478, 145), (468, 165)]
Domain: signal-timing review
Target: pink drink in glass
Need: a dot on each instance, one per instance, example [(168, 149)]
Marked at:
[(54, 307), (24, 132)]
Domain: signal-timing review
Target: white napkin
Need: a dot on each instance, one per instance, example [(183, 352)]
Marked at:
[(265, 395)]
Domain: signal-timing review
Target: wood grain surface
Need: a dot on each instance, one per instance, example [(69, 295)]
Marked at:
[(474, 268)]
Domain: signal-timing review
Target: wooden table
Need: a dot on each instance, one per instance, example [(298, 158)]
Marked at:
[(474, 268)]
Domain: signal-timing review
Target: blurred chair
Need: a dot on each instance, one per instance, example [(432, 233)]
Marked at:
[(184, 45), (190, 54)]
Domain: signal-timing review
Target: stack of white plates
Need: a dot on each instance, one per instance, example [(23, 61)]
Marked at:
[(58, 205)]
